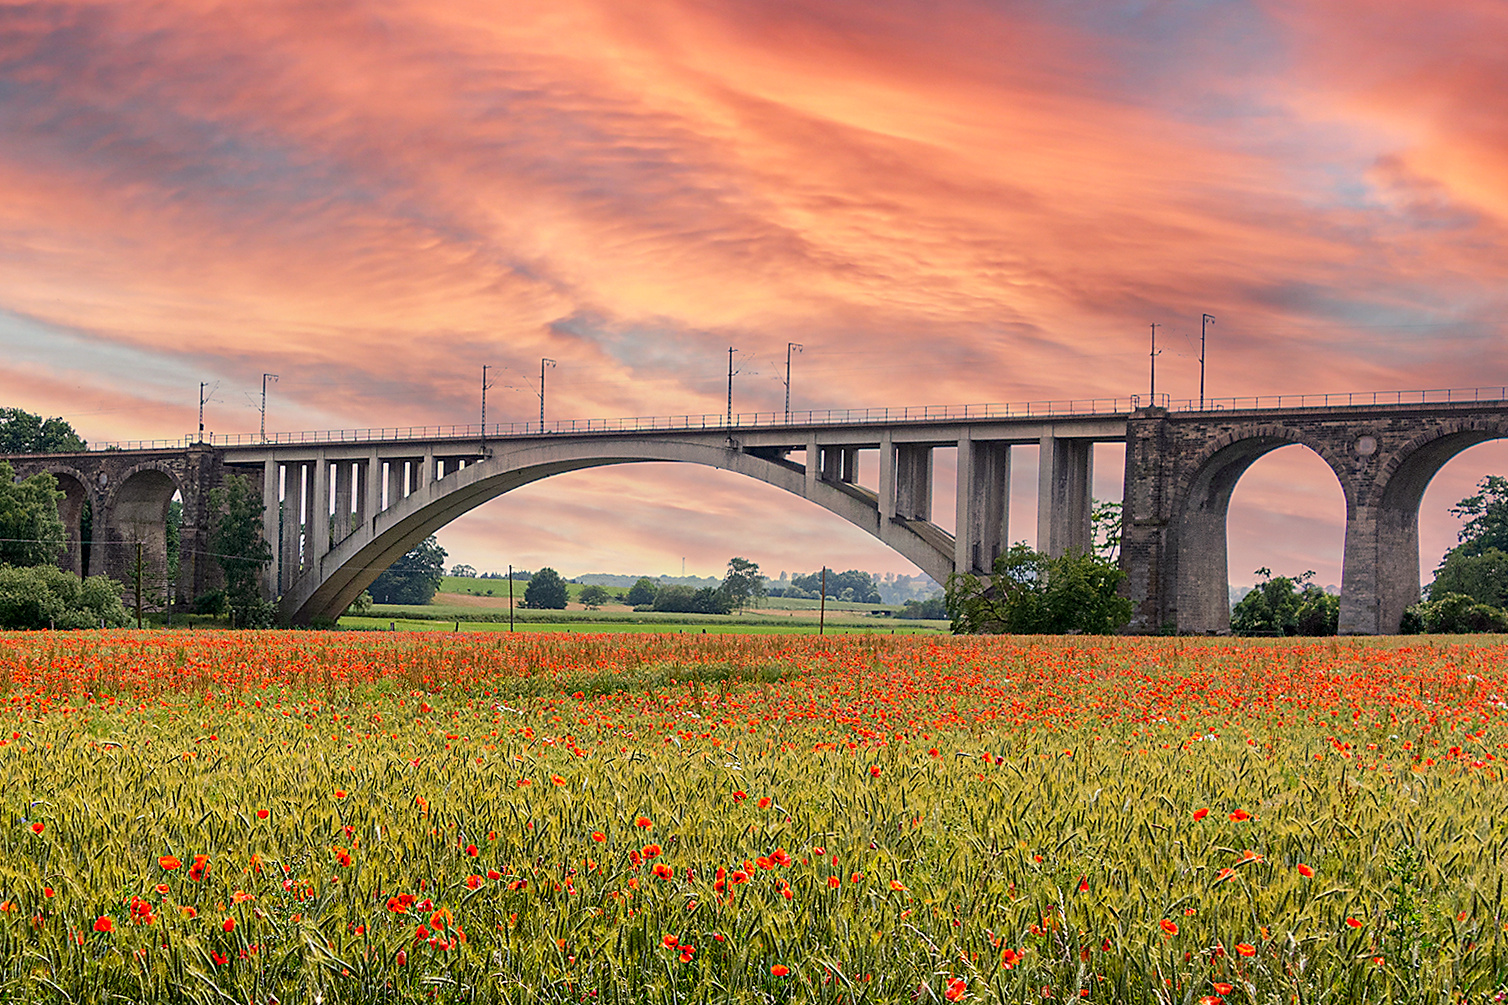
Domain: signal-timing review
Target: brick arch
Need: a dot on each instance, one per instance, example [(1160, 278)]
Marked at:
[(1201, 507), (110, 495), (1399, 489)]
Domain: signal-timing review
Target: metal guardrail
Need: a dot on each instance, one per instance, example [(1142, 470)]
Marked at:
[(1064, 407)]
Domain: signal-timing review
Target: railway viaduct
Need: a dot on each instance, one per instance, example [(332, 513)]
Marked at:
[(341, 506)]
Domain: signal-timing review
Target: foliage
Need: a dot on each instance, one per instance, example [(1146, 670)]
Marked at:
[(463, 571), (174, 540), (1453, 614), (362, 604), (677, 819), (1105, 522), (45, 596), (594, 596), (546, 591), (743, 584), (1481, 575), (1030, 593), (1280, 605), (642, 592), (851, 585), (688, 600), (1486, 516), (236, 541), (21, 432), (931, 609), (414, 578), (31, 532)]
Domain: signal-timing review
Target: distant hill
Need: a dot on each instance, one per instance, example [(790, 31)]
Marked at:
[(618, 580)]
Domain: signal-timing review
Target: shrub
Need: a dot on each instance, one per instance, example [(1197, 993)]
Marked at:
[(44, 596)]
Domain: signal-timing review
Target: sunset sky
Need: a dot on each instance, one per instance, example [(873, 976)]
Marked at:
[(943, 201)]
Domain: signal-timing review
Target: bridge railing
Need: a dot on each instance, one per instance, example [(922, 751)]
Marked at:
[(828, 417), (1433, 396), (739, 420)]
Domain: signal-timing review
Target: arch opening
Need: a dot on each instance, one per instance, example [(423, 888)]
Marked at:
[(71, 511), (1289, 518)]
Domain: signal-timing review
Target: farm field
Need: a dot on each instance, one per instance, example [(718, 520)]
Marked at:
[(360, 817)]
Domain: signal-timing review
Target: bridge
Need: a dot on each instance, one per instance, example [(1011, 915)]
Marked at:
[(342, 505)]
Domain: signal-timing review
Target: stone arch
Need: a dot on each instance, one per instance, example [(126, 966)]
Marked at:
[(339, 577), (1201, 508), (71, 511), (136, 509), (1399, 489)]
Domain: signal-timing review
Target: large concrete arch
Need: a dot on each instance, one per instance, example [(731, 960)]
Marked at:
[(1399, 489), (340, 575), (1203, 506)]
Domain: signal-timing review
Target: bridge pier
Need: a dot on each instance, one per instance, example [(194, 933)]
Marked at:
[(1065, 484), (982, 511), (913, 481)]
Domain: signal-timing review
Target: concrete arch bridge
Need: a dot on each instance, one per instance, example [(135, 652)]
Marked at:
[(341, 506)]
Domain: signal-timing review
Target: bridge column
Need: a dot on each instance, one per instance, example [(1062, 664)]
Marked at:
[(270, 525), (813, 464), (371, 488), (832, 464), (292, 529), (1065, 481), (913, 481), (848, 466), (984, 486), (422, 472), (1149, 542), (319, 513), (396, 482), (886, 481), (345, 489)]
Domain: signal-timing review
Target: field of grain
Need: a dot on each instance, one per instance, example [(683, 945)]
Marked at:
[(360, 817)]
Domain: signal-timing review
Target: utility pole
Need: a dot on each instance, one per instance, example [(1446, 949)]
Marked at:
[(1204, 321), (731, 371), (485, 368), (542, 364), (202, 385), (137, 575), (788, 347), (822, 609), (265, 377), (510, 598), (1152, 393)]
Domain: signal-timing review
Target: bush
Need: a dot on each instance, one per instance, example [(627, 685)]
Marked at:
[(932, 609), (685, 600), (1280, 605), (212, 603), (1454, 614), (594, 596), (44, 596)]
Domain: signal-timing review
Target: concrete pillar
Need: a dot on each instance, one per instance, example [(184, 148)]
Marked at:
[(984, 487), (832, 464), (270, 525), (848, 467), (887, 479), (964, 527), (319, 513), (345, 489), (1065, 481), (913, 481), (1380, 569), (290, 560), (371, 488), (423, 472), (397, 482), (813, 464)]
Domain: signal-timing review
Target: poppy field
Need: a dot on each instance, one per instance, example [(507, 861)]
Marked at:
[(349, 817)]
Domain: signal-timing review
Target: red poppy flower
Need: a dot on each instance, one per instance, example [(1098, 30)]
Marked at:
[(1246, 949), (1170, 927), (105, 924), (471, 850), (764, 802), (957, 988), (38, 827), (229, 925), (643, 822), (473, 882), (651, 851), (1353, 923), (874, 771), (340, 793), (262, 814), (1201, 813), (1305, 871), (1240, 815), (169, 862), (598, 836), (780, 970), (669, 941), (1221, 988)]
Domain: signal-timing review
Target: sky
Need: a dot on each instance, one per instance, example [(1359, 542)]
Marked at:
[(949, 201)]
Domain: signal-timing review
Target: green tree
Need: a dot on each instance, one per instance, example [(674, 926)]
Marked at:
[(931, 609), (642, 593), (1486, 516), (1030, 593), (743, 584), (31, 532), (1482, 575), (1284, 605), (861, 583), (546, 591), (412, 579), (1105, 521), (594, 596), (687, 600), (1453, 614), (21, 432), (236, 541)]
